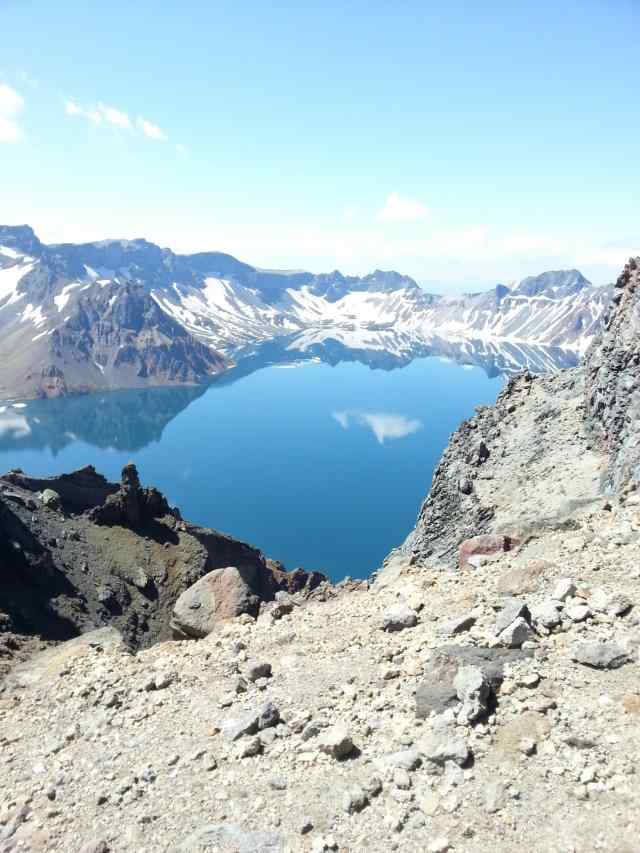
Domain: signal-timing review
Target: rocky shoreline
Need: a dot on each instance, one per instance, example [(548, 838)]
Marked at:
[(482, 691)]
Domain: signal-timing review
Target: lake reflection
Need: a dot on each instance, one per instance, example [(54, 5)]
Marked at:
[(323, 466)]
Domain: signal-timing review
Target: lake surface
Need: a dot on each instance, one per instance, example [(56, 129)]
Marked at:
[(318, 465)]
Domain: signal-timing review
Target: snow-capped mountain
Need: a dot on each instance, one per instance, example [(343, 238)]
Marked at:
[(121, 313)]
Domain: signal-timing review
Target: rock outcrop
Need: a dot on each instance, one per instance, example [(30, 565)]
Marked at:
[(549, 445), (78, 553), (493, 486), (612, 383)]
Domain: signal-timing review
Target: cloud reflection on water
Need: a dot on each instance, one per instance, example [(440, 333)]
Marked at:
[(384, 425)]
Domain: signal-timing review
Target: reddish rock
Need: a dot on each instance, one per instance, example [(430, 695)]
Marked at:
[(485, 545)]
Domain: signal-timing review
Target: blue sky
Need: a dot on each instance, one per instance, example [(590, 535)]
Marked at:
[(460, 143)]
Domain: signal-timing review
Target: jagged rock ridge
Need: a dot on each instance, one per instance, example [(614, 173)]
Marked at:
[(78, 553), (612, 367)]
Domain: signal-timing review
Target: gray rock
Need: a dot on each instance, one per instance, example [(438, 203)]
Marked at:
[(164, 679), (577, 612), (257, 669), (517, 633), (513, 609), (457, 625), (434, 698), (406, 759), (494, 797), (599, 655), (618, 604), (267, 737), (473, 690), (251, 747), (238, 727), (355, 800), (444, 745), (50, 499), (337, 742), (231, 837), (598, 600), (546, 614), (564, 588), (269, 716), (437, 692), (95, 846), (312, 729), (251, 722), (306, 825), (465, 486), (399, 617), (401, 779), (373, 786)]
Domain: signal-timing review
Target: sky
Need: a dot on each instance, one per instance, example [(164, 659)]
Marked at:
[(460, 143)]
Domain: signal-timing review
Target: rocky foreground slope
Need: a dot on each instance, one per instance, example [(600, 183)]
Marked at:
[(482, 692)]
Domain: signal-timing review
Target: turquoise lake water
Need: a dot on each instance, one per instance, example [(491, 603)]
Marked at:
[(319, 466)]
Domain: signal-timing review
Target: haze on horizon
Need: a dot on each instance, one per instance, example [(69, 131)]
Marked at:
[(457, 145)]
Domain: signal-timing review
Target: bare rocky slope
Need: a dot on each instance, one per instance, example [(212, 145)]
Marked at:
[(481, 692)]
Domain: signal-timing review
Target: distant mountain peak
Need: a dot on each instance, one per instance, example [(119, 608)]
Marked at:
[(565, 282), (21, 238), (128, 313)]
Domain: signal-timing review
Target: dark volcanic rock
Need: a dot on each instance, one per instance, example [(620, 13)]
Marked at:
[(79, 491), (437, 691), (131, 505), (114, 555)]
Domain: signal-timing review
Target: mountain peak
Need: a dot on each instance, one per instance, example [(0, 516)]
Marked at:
[(553, 282), (21, 238)]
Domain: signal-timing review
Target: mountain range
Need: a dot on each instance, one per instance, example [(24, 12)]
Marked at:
[(127, 313)]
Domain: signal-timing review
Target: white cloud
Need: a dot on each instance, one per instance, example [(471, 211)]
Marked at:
[(14, 426), (342, 418), (115, 117), (399, 209), (151, 130), (384, 425), (100, 115), (11, 105), (92, 115), (103, 115)]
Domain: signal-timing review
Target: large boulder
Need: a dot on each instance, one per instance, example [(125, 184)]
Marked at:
[(438, 690), (228, 836), (220, 595), (472, 552)]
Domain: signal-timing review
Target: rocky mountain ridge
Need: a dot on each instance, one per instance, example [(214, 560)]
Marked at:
[(121, 313)]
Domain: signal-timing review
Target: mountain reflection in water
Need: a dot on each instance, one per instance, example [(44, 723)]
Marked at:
[(131, 420)]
